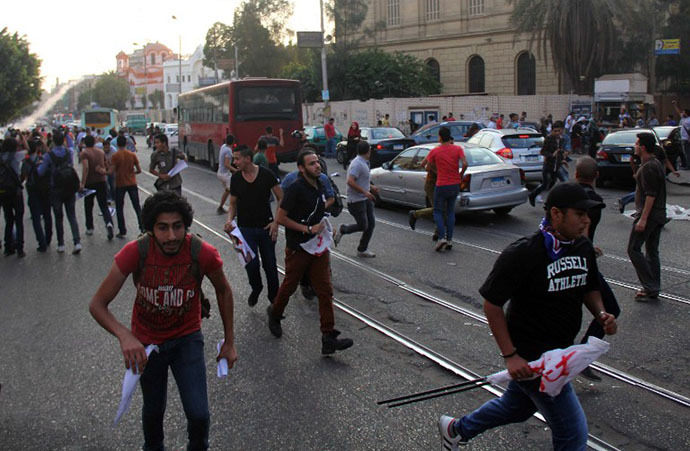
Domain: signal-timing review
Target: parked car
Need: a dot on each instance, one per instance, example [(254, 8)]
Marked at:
[(615, 153), (670, 139), (520, 146), (317, 137), (488, 184), (429, 133), (386, 143)]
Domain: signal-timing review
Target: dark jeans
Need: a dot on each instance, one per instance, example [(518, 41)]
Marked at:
[(120, 205), (685, 154), (363, 212), (39, 206), (57, 202), (110, 180), (648, 267), (101, 196), (610, 305), (185, 357), (13, 208), (261, 243), (444, 210), (297, 263), (563, 414), (548, 178)]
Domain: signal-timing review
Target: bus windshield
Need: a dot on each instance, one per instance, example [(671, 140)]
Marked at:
[(263, 102), (97, 117)]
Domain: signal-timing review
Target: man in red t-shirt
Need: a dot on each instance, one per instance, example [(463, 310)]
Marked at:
[(167, 313), (329, 130), (447, 158)]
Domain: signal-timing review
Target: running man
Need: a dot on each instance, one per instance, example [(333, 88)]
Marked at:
[(225, 170), (167, 313), (547, 277)]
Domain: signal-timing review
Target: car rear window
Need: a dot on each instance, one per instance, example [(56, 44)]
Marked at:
[(383, 133), (625, 139), (523, 141), (479, 156)]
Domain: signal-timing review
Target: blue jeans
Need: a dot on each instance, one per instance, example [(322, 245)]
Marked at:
[(185, 357), (39, 206), (330, 147), (563, 413), (57, 202), (444, 207), (261, 243), (110, 180), (625, 200), (120, 206)]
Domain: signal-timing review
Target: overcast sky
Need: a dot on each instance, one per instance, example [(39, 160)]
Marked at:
[(80, 37)]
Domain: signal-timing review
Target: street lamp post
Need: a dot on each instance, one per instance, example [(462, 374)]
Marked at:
[(179, 58)]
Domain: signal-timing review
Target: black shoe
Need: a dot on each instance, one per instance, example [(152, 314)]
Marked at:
[(253, 298), (8, 252), (110, 231), (331, 343), (531, 199), (434, 237), (621, 206), (42, 248), (21, 254), (308, 292), (412, 218), (122, 235), (274, 322), (587, 373)]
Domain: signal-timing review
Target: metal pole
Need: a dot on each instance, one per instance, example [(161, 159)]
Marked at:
[(237, 64), (324, 69), (179, 57), (146, 85)]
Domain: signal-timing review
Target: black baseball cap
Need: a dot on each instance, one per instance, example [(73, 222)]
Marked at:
[(571, 195)]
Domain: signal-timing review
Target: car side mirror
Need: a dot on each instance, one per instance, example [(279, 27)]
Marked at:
[(386, 165)]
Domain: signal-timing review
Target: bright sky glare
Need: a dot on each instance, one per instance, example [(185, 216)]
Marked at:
[(81, 37)]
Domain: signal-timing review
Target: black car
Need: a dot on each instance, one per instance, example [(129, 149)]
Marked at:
[(616, 151), (386, 143), (671, 141)]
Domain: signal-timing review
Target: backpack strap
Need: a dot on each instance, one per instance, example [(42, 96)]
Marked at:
[(195, 251), (143, 247)]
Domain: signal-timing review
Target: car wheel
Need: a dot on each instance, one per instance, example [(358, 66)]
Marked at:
[(502, 211), (340, 155)]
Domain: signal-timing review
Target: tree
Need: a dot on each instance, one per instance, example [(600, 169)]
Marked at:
[(20, 83), (309, 76), (581, 35), (111, 91), (84, 100), (157, 98), (676, 68), (218, 44)]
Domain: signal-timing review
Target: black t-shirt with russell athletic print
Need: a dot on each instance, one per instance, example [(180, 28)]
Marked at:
[(546, 297), (304, 204), (253, 199)]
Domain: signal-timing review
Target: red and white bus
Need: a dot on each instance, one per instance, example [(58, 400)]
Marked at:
[(243, 108)]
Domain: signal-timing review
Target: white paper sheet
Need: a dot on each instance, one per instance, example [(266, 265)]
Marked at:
[(321, 242), (244, 252), (128, 385), (222, 370), (84, 193), (179, 167)]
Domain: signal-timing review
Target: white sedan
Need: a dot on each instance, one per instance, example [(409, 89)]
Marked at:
[(488, 184)]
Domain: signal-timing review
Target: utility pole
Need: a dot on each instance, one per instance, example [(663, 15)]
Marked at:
[(324, 69), (237, 63)]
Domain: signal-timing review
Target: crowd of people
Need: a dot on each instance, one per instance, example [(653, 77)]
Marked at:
[(547, 277)]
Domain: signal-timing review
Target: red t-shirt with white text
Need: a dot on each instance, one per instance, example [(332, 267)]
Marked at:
[(447, 159), (167, 303)]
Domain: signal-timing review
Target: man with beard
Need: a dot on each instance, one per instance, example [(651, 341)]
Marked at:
[(167, 313), (301, 211)]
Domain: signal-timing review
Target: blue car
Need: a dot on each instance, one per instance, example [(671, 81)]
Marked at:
[(458, 129)]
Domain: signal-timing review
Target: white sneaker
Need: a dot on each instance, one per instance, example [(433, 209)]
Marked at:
[(366, 254), (61, 249), (89, 231), (77, 249), (337, 235), (540, 199), (449, 442)]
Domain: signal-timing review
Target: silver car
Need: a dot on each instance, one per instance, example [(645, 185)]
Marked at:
[(519, 146), (489, 183)]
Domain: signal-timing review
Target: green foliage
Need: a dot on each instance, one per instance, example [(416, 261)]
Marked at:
[(111, 91), (85, 99), (157, 98), (309, 76), (218, 44), (20, 82), (676, 68)]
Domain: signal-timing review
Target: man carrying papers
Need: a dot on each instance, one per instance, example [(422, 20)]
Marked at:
[(167, 266)]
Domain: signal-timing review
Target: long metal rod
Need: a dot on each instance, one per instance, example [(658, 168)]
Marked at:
[(435, 390), (439, 395)]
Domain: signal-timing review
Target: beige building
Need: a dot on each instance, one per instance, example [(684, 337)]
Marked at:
[(469, 44)]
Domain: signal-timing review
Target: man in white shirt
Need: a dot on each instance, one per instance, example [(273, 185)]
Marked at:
[(225, 170), (684, 134)]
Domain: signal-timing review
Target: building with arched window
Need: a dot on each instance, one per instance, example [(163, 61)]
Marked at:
[(470, 44), (143, 69)]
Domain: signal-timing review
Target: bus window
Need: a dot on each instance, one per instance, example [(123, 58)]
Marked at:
[(256, 102)]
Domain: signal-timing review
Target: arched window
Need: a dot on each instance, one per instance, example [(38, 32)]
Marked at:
[(153, 58), (475, 74), (526, 74), (434, 69)]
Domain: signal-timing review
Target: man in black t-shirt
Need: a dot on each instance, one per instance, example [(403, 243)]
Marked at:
[(250, 203), (650, 202), (546, 277), (301, 212)]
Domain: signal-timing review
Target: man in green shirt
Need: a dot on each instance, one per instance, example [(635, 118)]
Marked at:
[(260, 155)]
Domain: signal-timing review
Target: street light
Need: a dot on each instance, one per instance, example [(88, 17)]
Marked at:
[(146, 81), (179, 58)]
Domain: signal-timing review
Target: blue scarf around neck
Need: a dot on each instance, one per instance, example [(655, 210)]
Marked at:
[(555, 248)]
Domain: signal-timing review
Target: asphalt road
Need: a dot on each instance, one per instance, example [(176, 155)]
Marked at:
[(61, 373)]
